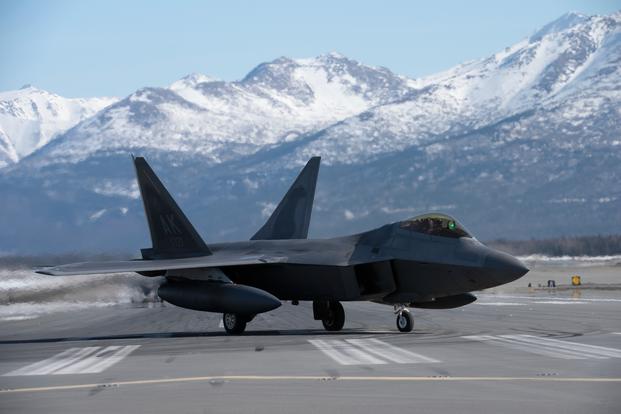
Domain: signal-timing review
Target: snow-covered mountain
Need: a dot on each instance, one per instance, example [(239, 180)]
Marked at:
[(576, 68), (31, 117), (275, 103), (524, 143)]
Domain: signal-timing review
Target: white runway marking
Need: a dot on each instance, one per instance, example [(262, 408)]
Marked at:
[(560, 302), (540, 297), (18, 318), (367, 352), (500, 303), (549, 347), (77, 361)]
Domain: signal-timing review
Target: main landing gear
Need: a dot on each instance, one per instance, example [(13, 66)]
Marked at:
[(405, 321), (234, 323), (335, 318), (330, 313)]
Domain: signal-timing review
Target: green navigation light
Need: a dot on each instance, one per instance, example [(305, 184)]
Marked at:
[(451, 225)]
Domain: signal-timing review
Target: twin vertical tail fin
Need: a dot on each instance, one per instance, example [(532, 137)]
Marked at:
[(172, 234), (292, 216)]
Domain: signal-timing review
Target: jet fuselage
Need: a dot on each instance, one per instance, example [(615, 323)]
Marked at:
[(388, 264)]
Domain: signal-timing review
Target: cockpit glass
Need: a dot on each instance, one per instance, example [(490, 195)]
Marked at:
[(435, 225)]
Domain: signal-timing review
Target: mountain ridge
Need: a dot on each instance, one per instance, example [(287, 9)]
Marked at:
[(31, 117)]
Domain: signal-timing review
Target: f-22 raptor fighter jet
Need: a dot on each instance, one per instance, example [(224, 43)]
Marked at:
[(430, 261)]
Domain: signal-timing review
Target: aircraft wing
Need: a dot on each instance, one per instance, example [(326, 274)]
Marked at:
[(89, 268)]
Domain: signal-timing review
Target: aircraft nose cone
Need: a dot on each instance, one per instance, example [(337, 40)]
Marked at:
[(505, 267)]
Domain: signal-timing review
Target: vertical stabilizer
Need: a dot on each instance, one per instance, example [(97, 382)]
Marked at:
[(172, 234), (291, 218)]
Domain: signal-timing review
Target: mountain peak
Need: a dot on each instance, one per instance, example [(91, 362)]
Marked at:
[(269, 71), (332, 56), (31, 117), (191, 80), (284, 65), (335, 55), (564, 22), (25, 91)]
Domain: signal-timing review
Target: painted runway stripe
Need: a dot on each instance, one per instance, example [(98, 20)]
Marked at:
[(47, 366), (100, 361), (536, 348), (516, 345), (313, 378), (368, 351), (77, 361), (595, 350), (343, 353), (390, 352), (39, 365), (554, 348), (539, 297)]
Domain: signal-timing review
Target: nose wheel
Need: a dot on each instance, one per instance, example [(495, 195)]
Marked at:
[(405, 320)]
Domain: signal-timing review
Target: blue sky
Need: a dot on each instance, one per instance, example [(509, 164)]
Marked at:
[(90, 48)]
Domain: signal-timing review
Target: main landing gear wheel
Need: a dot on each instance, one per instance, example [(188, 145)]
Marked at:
[(234, 323), (335, 318), (405, 321)]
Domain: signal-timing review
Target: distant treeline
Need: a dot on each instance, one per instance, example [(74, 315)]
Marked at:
[(563, 246)]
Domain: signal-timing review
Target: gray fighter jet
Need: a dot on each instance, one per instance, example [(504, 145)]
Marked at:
[(430, 261)]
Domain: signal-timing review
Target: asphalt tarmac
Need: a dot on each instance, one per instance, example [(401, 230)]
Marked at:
[(537, 352)]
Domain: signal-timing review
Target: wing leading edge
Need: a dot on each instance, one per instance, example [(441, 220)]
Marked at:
[(86, 268)]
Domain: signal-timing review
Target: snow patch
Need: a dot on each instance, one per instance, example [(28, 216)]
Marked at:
[(97, 215), (117, 188)]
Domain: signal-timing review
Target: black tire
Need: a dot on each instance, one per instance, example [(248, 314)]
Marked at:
[(234, 323), (405, 321), (336, 317)]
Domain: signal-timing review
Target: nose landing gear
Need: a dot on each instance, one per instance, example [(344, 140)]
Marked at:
[(405, 320)]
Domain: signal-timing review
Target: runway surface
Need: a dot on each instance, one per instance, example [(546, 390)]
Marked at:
[(540, 352)]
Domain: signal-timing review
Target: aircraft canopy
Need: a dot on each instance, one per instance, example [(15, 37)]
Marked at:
[(435, 224)]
